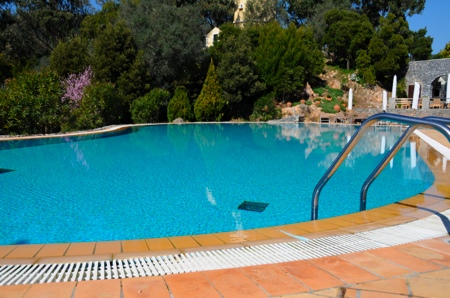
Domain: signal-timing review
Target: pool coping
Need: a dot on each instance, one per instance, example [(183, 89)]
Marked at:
[(431, 200)]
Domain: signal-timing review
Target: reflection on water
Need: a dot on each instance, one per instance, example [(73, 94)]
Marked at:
[(167, 180)]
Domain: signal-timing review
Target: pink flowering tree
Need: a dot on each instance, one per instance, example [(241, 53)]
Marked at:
[(75, 85)]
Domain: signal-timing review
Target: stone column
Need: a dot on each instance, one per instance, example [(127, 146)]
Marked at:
[(425, 103), (391, 103)]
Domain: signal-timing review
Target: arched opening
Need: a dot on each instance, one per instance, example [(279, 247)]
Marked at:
[(439, 92), (439, 87)]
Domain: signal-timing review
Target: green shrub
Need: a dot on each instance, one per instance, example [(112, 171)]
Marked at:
[(328, 105), (319, 90), (31, 104), (334, 93), (179, 106), (210, 104), (101, 105), (151, 107), (265, 109)]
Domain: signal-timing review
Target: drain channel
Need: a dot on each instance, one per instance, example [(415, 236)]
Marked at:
[(430, 227)]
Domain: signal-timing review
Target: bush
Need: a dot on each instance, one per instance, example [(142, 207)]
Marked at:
[(265, 109), (328, 105), (31, 104), (179, 106), (150, 108), (101, 105), (334, 93), (319, 90), (210, 104), (75, 85)]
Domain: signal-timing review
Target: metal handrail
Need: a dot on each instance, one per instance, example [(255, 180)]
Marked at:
[(387, 158), (357, 137)]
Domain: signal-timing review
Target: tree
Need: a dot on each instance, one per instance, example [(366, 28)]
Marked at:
[(346, 33), (172, 39), (70, 57), (317, 20), (210, 104), (216, 12), (263, 11), (35, 27), (445, 53), (301, 11), (180, 106), (94, 24), (287, 58), (400, 8), (366, 71), (114, 52), (421, 46), (236, 69), (388, 48)]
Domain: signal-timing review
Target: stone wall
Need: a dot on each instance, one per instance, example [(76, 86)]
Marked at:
[(409, 112), (425, 72)]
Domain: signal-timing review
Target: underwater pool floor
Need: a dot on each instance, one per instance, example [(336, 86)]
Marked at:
[(421, 268)]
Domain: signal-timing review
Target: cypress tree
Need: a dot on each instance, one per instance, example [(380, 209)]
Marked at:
[(210, 104), (179, 106)]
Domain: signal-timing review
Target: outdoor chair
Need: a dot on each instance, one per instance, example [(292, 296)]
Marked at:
[(325, 118), (359, 118), (341, 118)]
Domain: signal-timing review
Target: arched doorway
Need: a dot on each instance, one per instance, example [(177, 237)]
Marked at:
[(439, 87)]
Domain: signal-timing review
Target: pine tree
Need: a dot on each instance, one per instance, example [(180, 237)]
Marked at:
[(210, 104), (179, 106)]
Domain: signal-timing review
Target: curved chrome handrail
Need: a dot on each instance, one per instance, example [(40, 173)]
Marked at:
[(387, 158), (357, 137)]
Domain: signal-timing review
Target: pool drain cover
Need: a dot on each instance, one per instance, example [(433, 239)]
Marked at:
[(253, 206)]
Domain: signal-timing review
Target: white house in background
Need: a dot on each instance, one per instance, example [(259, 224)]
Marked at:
[(239, 13), (212, 36), (238, 20)]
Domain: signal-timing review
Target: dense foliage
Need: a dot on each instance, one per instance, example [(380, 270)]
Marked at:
[(180, 106), (236, 69), (287, 58), (31, 104), (151, 107), (210, 104), (65, 66), (347, 32), (265, 109)]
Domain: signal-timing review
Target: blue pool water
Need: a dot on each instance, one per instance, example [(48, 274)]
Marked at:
[(169, 180)]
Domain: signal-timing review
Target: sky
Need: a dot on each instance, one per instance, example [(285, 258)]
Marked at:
[(435, 18)]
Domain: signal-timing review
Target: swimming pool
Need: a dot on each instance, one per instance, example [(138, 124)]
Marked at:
[(172, 180)]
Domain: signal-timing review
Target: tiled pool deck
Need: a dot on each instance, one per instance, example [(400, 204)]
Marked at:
[(420, 269)]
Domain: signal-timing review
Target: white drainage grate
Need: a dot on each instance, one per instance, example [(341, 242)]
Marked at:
[(430, 227)]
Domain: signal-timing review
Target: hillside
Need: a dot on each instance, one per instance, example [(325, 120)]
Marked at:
[(363, 97)]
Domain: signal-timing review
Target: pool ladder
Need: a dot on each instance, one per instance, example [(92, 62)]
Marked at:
[(438, 123)]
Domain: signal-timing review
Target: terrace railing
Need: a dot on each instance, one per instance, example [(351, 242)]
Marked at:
[(437, 123)]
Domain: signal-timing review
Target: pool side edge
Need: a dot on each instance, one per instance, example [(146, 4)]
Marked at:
[(434, 199)]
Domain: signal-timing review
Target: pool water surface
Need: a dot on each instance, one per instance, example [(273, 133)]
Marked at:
[(173, 180)]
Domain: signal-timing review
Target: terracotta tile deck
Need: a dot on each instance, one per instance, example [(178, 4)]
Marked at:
[(420, 269)]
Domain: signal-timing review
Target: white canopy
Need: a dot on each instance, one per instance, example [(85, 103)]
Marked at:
[(415, 102), (394, 87), (350, 99)]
